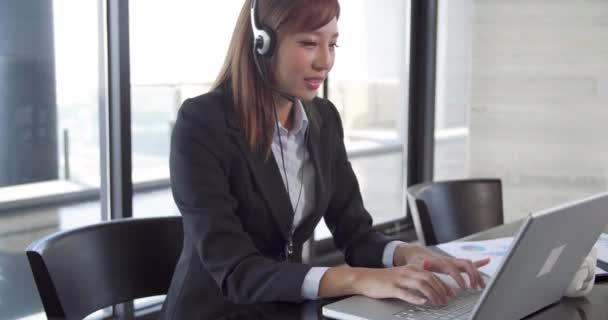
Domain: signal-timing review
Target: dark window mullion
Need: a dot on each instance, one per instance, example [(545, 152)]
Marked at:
[(120, 188), (421, 124)]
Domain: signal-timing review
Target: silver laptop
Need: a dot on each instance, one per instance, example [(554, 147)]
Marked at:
[(542, 260)]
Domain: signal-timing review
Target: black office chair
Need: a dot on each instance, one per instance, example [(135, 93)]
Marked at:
[(444, 211), (87, 269)]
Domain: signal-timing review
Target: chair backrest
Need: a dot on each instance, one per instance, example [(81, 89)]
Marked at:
[(443, 211), (86, 269)]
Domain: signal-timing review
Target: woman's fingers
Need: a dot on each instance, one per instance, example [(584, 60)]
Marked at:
[(428, 284), (481, 263), (424, 288), (454, 267), (478, 264), (439, 286), (447, 291), (410, 296), (419, 285), (439, 265), (471, 271)]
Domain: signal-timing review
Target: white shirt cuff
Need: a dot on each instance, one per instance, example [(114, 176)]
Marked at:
[(312, 280), (389, 253)]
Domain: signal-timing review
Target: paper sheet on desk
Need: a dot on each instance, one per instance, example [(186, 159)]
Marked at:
[(496, 250), (602, 248)]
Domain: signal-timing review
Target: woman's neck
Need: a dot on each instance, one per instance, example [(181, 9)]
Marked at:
[(284, 112)]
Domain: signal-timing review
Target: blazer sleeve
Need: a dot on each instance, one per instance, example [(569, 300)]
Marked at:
[(346, 217), (200, 182)]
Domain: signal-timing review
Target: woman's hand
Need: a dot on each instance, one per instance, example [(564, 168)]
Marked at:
[(408, 283), (423, 258), (412, 280)]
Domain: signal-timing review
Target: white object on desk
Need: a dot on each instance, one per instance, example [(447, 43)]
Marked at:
[(585, 276)]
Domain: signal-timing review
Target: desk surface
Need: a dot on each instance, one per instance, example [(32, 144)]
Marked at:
[(594, 306)]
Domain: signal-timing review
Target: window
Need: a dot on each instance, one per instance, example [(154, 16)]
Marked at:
[(170, 61), (49, 133), (368, 85)]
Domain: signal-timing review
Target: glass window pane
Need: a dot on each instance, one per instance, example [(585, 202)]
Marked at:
[(380, 187), (49, 133), (368, 85), (170, 61), (521, 96)]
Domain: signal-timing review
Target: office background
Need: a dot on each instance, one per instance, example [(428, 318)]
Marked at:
[(426, 89)]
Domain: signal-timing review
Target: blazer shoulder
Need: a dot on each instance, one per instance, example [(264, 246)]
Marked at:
[(207, 110), (325, 107), (328, 112)]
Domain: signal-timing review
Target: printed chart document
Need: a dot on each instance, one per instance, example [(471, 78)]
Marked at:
[(496, 250)]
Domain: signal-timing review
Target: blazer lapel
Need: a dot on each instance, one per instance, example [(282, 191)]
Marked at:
[(265, 174), (268, 179)]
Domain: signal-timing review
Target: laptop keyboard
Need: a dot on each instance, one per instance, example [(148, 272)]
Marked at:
[(459, 308)]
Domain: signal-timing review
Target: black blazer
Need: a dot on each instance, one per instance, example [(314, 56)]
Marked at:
[(237, 215)]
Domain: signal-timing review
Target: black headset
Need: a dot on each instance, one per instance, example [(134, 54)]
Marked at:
[(263, 37)]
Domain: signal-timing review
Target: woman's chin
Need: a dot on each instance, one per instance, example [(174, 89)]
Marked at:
[(308, 96)]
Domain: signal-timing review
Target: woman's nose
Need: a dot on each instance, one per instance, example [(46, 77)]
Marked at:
[(323, 60)]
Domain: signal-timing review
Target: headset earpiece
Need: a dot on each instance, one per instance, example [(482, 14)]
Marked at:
[(263, 37), (267, 47)]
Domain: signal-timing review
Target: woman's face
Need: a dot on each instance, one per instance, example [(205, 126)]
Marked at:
[(304, 59)]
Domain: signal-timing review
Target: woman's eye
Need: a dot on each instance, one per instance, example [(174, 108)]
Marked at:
[(309, 43)]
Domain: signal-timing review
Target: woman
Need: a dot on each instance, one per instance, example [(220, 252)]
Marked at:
[(258, 161)]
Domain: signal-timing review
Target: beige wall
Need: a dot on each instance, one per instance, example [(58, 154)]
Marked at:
[(539, 99)]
